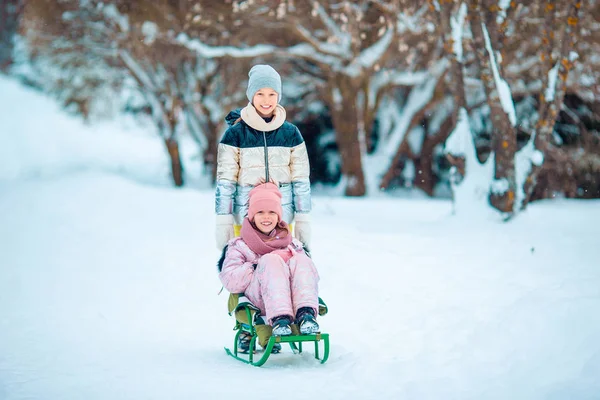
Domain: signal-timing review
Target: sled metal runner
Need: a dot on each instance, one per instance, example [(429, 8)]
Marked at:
[(295, 342)]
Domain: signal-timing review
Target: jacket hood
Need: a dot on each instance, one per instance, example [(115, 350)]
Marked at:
[(233, 116)]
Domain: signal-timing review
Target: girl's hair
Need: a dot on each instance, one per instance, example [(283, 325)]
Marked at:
[(237, 120)]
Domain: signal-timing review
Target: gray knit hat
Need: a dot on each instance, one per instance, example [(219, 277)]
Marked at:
[(263, 76)]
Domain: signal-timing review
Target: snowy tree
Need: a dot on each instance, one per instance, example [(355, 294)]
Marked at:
[(71, 56), (81, 48), (413, 114), (183, 84), (347, 47), (558, 55), (488, 39), (392, 80), (499, 49), (431, 111)]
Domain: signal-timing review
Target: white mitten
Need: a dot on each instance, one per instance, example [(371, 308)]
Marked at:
[(224, 230), (302, 228)]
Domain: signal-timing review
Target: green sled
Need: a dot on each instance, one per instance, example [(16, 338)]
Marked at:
[(244, 313)]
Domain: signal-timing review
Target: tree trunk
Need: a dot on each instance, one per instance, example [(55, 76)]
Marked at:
[(212, 134), (456, 84), (397, 165), (342, 103), (395, 169), (210, 153), (424, 168), (176, 165), (424, 171), (425, 179), (10, 15), (550, 108), (504, 137)]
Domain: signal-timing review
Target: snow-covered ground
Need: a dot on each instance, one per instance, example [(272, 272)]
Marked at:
[(108, 285)]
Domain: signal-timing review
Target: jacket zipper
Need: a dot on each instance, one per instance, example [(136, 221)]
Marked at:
[(266, 157)]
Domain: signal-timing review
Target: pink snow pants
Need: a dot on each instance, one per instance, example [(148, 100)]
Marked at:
[(278, 288)]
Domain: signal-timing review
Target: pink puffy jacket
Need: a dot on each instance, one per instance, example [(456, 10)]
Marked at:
[(237, 267)]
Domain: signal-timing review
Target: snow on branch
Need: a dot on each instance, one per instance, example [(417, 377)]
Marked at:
[(419, 97), (460, 141), (457, 23), (369, 56), (525, 160), (111, 13), (471, 193), (411, 23), (303, 50), (335, 30), (503, 89), (150, 32), (395, 78), (552, 78), (306, 51), (222, 51), (503, 5), (137, 70), (327, 48), (390, 78), (147, 87)]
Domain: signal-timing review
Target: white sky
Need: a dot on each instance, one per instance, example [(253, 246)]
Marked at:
[(108, 284)]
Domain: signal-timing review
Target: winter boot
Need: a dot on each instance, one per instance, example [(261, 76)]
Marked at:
[(276, 348), (243, 342), (305, 319), (281, 326)]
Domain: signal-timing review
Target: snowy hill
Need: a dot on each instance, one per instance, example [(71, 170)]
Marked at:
[(108, 285), (37, 139)]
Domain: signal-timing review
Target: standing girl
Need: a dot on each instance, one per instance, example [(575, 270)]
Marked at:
[(261, 146)]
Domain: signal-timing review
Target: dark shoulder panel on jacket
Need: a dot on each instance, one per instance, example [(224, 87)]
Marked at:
[(296, 135), (231, 136), (287, 135), (242, 135)]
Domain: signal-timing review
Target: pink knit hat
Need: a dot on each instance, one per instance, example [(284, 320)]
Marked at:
[(265, 197)]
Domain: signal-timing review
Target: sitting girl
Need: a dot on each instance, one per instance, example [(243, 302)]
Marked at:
[(271, 267)]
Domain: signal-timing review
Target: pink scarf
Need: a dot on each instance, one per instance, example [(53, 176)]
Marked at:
[(261, 243)]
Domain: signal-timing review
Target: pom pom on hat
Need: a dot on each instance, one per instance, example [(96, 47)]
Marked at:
[(263, 76), (265, 197)]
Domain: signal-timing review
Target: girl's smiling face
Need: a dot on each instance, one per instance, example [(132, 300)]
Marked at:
[(266, 221), (264, 101)]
